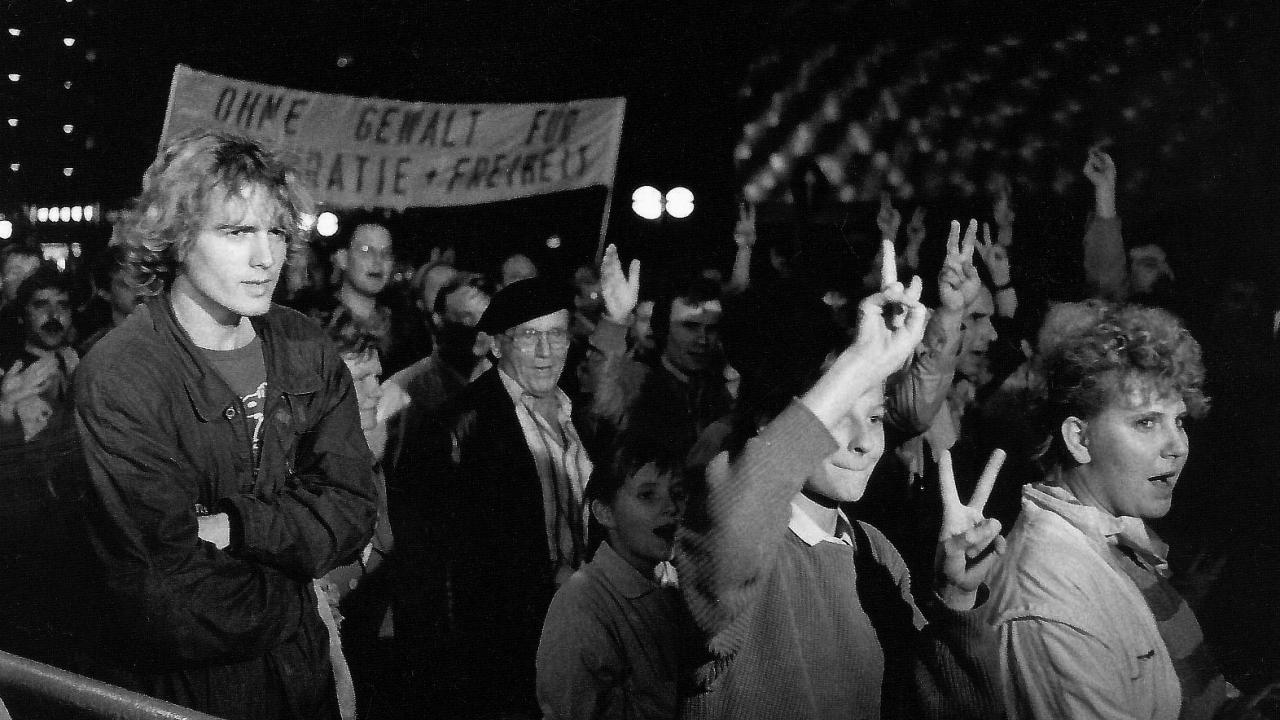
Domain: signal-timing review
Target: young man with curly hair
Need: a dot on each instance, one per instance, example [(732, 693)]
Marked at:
[(224, 447)]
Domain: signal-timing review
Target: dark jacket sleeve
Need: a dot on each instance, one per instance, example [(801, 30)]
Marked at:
[(323, 511), (179, 599), (946, 662)]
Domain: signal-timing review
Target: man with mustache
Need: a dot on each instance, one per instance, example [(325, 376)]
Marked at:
[(37, 374)]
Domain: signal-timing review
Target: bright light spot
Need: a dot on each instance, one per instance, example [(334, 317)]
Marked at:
[(6, 229), (68, 41), (65, 214), (13, 122), (679, 202), (49, 214), (15, 31), (307, 221), (68, 129), (75, 249), (66, 85), (15, 166), (553, 242), (14, 77), (88, 213), (77, 212), (646, 202), (68, 171), (344, 61), (327, 224)]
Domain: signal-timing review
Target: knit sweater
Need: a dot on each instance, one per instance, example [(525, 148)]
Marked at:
[(797, 631)]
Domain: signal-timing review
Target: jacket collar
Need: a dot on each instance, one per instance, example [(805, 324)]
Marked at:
[(207, 390), (1101, 527)]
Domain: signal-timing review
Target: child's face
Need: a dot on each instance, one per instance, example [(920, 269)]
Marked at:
[(642, 519), (843, 475)]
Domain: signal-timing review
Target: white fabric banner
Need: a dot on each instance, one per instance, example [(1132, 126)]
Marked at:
[(371, 152)]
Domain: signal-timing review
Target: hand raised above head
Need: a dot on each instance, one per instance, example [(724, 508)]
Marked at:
[(888, 218), (1101, 170), (958, 281), (994, 256), (621, 291), (968, 542)]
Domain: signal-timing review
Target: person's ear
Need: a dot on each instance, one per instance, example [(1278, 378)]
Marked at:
[(436, 320), (340, 259), (1075, 435), (603, 513)]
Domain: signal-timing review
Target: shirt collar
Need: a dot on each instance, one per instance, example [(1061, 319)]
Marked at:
[(628, 580), (517, 392), (807, 530)]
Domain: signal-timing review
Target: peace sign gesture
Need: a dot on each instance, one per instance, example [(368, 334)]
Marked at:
[(995, 257), (958, 281), (968, 543), (621, 291)]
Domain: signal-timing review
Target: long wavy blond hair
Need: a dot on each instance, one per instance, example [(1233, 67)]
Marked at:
[(177, 192)]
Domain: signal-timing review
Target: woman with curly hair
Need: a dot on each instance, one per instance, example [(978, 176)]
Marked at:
[(1089, 624)]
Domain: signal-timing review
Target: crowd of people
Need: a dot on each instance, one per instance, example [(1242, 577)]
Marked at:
[(717, 493)]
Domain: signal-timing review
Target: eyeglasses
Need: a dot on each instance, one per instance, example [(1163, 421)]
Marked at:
[(375, 253), (527, 338)]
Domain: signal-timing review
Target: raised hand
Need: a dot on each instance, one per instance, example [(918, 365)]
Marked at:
[(744, 231), (1100, 169), (915, 238), (958, 281), (1003, 214), (968, 543), (995, 257), (888, 219), (621, 291)]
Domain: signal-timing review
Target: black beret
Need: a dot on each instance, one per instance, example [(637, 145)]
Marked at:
[(524, 300)]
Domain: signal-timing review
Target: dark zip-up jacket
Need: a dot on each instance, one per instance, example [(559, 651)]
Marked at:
[(234, 632)]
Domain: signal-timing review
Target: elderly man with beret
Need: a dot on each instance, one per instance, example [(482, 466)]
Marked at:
[(509, 479)]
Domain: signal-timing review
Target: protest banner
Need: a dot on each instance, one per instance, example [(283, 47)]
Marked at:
[(372, 152)]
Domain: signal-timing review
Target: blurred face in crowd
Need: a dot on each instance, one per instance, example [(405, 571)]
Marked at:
[(979, 333), (365, 367), (642, 328), (121, 295), (48, 318), (1148, 266), (231, 267), (516, 268), (693, 340), (1130, 454), (843, 475), (368, 260), (17, 267), (456, 329), (533, 352), (643, 517)]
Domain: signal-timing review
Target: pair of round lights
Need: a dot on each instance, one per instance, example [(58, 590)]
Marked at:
[(649, 203)]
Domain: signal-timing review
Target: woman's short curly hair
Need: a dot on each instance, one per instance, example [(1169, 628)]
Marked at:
[(177, 190), (1127, 349)]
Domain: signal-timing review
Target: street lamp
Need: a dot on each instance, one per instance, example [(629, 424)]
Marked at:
[(649, 203)]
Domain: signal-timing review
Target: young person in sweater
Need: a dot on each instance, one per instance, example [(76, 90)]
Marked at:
[(808, 615), (611, 640), (1089, 624)]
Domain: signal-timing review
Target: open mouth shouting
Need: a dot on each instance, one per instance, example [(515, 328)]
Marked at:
[(667, 532)]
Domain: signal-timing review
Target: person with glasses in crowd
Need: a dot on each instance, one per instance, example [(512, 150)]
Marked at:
[(508, 472)]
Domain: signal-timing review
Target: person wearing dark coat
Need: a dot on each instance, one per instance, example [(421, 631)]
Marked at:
[(226, 464)]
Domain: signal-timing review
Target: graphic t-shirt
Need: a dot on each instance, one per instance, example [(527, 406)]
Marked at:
[(245, 370)]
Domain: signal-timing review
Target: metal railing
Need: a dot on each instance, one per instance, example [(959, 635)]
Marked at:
[(28, 678)]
